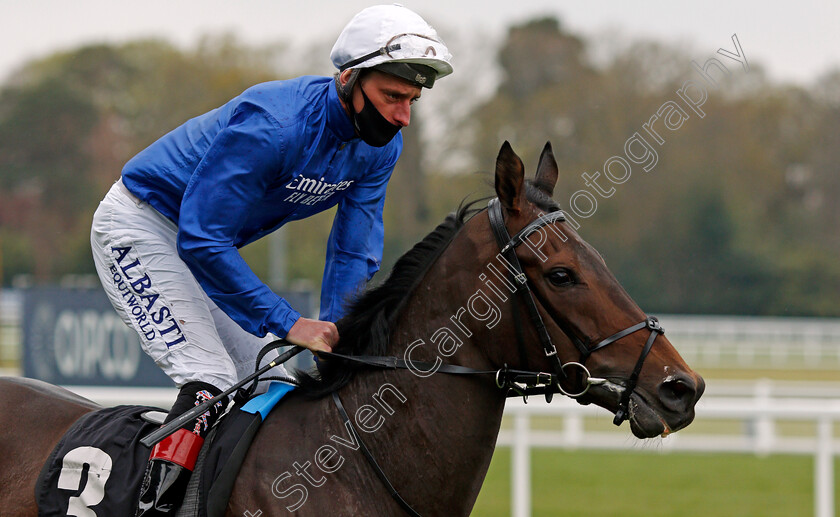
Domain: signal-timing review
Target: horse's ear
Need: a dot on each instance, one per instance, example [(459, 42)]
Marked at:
[(510, 178), (546, 176)]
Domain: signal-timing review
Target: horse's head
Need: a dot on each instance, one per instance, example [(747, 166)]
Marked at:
[(588, 316)]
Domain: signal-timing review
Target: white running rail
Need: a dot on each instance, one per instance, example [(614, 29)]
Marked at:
[(761, 415)]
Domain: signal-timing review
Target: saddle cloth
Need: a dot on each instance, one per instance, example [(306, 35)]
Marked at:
[(96, 468)]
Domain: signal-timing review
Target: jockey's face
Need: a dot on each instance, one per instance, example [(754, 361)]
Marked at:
[(390, 95)]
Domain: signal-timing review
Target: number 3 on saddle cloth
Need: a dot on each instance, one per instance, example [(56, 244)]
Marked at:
[(97, 467)]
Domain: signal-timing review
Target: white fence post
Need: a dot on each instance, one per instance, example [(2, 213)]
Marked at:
[(521, 463), (573, 429), (765, 428), (824, 470)]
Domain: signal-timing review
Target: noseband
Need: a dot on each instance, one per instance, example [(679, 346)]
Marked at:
[(507, 249)]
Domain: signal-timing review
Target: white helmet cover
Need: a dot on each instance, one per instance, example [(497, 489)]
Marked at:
[(390, 33)]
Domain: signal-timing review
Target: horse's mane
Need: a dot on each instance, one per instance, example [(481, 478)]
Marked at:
[(367, 325)]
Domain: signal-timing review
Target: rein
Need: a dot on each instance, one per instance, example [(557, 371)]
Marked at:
[(516, 383)]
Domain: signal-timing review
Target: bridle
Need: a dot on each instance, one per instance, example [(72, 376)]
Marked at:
[(515, 382), (507, 247)]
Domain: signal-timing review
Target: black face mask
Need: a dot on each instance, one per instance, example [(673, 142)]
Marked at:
[(372, 127)]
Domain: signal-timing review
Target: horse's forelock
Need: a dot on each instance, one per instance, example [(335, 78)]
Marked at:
[(536, 195)]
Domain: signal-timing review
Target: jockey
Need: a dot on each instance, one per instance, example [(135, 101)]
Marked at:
[(165, 238)]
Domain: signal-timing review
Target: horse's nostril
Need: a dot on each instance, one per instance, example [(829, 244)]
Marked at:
[(678, 393)]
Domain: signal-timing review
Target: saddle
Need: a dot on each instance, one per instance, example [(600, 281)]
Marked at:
[(98, 464)]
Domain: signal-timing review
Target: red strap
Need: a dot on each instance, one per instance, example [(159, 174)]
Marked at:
[(181, 448)]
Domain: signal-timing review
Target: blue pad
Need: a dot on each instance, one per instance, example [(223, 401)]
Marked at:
[(264, 403)]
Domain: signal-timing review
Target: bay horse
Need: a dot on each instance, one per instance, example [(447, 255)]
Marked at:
[(466, 299)]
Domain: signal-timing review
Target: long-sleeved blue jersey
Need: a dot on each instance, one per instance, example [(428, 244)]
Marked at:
[(279, 152)]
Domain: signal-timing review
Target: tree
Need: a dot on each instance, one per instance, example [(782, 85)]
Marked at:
[(69, 122), (740, 200)]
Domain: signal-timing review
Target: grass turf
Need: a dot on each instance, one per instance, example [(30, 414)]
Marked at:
[(629, 484)]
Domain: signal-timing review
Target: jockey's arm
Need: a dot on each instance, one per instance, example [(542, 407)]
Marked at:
[(354, 249)]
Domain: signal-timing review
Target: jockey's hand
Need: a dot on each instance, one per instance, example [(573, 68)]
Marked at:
[(317, 336)]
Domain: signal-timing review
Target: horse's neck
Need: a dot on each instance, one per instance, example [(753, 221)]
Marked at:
[(437, 443), (444, 432)]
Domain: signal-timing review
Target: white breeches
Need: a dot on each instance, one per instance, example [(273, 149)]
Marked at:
[(153, 290)]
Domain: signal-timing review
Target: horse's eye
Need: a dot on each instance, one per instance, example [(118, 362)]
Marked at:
[(560, 277)]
